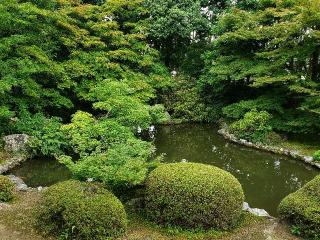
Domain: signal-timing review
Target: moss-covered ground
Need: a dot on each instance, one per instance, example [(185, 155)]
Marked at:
[(16, 223)]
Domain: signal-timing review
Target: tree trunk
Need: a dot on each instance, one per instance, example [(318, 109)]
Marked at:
[(314, 66)]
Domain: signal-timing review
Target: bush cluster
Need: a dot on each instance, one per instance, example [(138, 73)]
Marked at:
[(193, 195), (78, 210), (254, 126), (7, 189), (316, 156), (302, 209)]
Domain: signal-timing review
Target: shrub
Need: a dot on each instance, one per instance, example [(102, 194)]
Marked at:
[(316, 156), (78, 210), (254, 126), (47, 137), (302, 209), (7, 188), (193, 195)]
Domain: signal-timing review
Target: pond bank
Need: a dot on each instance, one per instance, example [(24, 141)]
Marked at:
[(278, 150), (11, 162)]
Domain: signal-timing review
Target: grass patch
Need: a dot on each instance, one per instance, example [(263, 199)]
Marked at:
[(305, 145), (140, 228)]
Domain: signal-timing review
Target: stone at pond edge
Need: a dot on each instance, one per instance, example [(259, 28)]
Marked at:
[(20, 185), (256, 211), (16, 142), (11, 163)]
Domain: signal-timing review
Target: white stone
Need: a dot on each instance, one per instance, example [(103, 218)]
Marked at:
[(255, 211)]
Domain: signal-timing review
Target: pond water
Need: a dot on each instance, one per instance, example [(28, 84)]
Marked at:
[(41, 172), (266, 178)]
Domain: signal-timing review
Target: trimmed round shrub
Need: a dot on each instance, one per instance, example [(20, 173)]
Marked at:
[(302, 209), (77, 210), (7, 189), (193, 195)]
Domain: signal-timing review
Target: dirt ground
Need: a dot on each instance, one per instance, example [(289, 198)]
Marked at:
[(16, 224)]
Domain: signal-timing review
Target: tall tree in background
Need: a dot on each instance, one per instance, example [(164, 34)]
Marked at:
[(269, 60)]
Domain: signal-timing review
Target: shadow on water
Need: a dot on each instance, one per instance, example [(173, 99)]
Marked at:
[(266, 178), (41, 172)]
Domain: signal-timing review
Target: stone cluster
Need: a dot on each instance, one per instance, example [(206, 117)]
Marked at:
[(278, 150)]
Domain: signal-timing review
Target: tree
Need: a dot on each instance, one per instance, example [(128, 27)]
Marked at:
[(59, 57), (270, 54)]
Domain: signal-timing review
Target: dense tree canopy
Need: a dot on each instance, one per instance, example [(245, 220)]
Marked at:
[(83, 77), (63, 56), (268, 60)]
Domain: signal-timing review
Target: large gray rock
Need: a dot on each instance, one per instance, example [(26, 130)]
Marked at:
[(16, 142)]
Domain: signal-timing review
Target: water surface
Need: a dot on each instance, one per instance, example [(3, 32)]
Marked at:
[(41, 172), (266, 178)]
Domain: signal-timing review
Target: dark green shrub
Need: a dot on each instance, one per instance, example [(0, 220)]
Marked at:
[(302, 209), (7, 188), (193, 195), (316, 156), (79, 210)]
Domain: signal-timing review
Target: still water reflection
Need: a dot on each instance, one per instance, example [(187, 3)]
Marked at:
[(266, 178)]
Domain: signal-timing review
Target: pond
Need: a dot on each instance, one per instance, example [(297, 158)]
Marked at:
[(266, 178), (41, 172)]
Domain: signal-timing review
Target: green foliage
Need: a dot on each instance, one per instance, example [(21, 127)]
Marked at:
[(61, 57), (193, 196), (7, 189), (47, 137), (78, 210), (254, 126), (316, 156), (183, 101), (171, 24), (109, 152), (267, 60), (302, 210)]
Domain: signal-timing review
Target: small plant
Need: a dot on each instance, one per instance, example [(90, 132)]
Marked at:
[(7, 189), (191, 195), (75, 210), (316, 156)]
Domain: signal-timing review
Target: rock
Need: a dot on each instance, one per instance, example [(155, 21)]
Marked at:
[(308, 159), (16, 142), (259, 212), (11, 163), (40, 188), (246, 206), (255, 211), (20, 185)]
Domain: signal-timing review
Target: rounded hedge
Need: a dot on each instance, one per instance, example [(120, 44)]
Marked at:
[(7, 189), (79, 210), (193, 195), (302, 209)]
